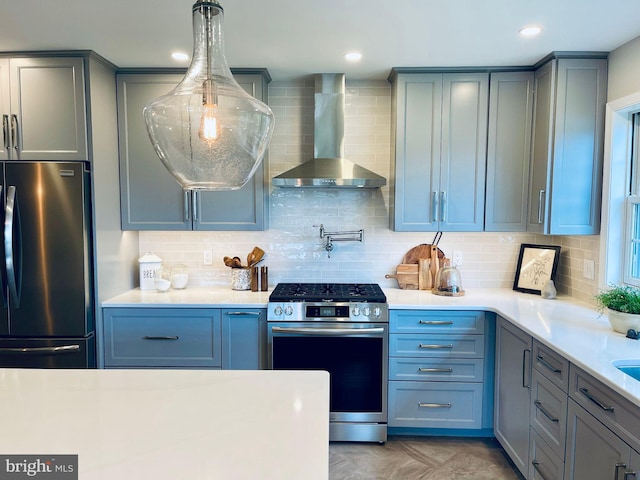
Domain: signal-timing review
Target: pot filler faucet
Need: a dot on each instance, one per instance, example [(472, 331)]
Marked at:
[(330, 237)]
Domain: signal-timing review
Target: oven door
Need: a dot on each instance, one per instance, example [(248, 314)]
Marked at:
[(354, 354)]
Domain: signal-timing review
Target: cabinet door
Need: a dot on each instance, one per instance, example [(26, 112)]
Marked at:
[(576, 178), (47, 96), (246, 208), (593, 451), (543, 111), (508, 151), (417, 133), (150, 198), (567, 148), (512, 396), (464, 152), (244, 334)]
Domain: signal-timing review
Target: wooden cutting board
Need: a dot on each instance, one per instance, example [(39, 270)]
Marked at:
[(407, 276), (418, 252)]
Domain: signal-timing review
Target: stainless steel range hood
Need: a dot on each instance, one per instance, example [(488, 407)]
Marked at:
[(329, 168)]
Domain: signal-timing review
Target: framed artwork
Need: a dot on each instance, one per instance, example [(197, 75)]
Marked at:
[(536, 265)]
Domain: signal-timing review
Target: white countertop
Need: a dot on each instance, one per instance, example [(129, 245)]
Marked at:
[(573, 328), (170, 424)]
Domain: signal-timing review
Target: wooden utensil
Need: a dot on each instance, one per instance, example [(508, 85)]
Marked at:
[(407, 276), (256, 256), (435, 262), (424, 274)]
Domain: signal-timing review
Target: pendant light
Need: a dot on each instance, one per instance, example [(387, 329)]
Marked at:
[(208, 132)]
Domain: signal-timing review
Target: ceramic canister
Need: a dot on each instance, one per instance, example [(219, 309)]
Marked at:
[(149, 263)]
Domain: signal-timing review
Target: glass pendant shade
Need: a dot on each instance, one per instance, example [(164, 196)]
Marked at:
[(208, 132)]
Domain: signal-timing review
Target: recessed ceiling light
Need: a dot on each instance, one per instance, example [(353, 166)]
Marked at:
[(180, 56), (530, 31), (353, 56)]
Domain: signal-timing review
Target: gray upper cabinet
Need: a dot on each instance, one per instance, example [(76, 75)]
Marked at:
[(508, 151), (567, 146), (151, 199), (43, 108), (439, 161)]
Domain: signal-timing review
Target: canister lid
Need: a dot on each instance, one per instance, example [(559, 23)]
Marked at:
[(149, 258)]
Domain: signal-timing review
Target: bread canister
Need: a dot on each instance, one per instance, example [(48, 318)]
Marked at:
[(149, 263)]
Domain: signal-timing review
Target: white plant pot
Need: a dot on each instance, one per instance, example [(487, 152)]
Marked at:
[(621, 322)]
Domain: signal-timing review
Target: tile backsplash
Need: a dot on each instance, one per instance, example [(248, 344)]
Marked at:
[(294, 249)]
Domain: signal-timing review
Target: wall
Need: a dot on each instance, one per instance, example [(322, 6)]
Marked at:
[(624, 70), (294, 249)]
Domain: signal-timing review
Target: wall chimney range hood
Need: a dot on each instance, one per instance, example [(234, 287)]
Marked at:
[(329, 168)]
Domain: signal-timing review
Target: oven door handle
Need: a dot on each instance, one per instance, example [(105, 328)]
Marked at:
[(327, 331)]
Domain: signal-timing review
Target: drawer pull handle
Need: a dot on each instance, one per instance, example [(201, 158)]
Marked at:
[(244, 313), (629, 474), (435, 370), (165, 337), (436, 322), (541, 360), (538, 404), (434, 405), (535, 464), (423, 345), (604, 407)]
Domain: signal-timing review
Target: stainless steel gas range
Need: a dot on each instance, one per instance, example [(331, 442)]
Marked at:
[(342, 328)]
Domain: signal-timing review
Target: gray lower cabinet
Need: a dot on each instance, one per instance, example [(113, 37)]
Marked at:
[(547, 435), (439, 129), (567, 146), (43, 108), (244, 337), (513, 392), (603, 432), (151, 199), (437, 370), (184, 338), (508, 151)]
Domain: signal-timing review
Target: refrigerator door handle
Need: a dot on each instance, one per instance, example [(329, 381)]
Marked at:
[(9, 257), (40, 350)]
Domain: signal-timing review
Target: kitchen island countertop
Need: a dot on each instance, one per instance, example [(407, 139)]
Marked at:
[(170, 424), (571, 327)]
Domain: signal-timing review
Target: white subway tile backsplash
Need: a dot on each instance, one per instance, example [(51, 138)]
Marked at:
[(293, 245)]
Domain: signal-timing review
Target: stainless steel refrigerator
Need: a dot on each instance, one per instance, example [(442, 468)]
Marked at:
[(47, 319)]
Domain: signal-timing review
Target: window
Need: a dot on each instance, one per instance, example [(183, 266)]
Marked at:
[(631, 262)]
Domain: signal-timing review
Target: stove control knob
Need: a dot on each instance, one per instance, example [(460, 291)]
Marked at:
[(288, 310), (366, 311), (278, 310), (355, 311), (377, 311)]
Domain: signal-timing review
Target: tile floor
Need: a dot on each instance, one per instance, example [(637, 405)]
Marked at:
[(421, 458)]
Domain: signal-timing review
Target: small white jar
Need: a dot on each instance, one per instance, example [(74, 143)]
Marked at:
[(149, 263)]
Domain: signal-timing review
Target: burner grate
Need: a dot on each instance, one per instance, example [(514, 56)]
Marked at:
[(336, 292)]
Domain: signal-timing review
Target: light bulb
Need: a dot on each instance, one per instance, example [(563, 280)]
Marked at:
[(208, 132)]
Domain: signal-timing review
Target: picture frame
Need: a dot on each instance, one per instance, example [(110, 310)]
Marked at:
[(536, 265)]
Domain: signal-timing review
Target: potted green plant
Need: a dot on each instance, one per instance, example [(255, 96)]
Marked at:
[(621, 303)]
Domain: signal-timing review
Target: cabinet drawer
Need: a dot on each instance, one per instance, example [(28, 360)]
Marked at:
[(436, 369), (544, 463), (435, 405), (549, 411), (614, 411), (417, 321), (162, 338), (551, 365), (436, 345)]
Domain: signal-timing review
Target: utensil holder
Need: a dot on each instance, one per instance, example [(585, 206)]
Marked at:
[(240, 278)]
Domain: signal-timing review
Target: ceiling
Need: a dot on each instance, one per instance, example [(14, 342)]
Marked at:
[(295, 38)]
